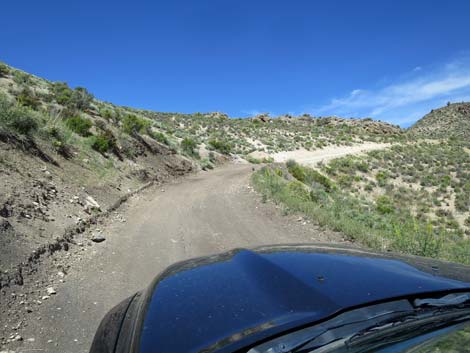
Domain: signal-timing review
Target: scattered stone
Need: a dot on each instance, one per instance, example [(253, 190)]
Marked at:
[(28, 309), (17, 338), (91, 205), (51, 291), (98, 238)]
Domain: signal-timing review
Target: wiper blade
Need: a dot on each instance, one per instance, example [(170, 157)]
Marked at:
[(448, 300), (391, 332), (364, 323)]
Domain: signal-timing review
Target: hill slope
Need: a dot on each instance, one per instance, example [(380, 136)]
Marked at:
[(451, 120)]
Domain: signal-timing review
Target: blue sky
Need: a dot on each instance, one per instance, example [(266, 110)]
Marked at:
[(391, 60)]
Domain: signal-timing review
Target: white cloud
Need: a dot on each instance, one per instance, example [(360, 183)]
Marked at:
[(408, 98)]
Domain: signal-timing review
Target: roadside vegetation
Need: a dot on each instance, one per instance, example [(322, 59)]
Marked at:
[(411, 198), (72, 119)]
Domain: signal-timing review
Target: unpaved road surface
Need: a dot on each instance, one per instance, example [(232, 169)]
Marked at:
[(202, 214), (311, 158), (199, 215)]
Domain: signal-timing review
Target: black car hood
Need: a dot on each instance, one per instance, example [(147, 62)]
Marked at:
[(225, 302)]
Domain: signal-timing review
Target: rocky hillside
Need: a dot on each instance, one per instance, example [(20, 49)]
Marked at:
[(451, 120)]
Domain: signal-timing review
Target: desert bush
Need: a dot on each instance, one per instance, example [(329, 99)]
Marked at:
[(362, 166), (462, 202), (297, 190), (188, 146), (384, 204), (28, 98), (21, 78), (79, 125), (379, 227), (296, 170), (107, 114), (381, 178), (160, 137), (101, 143), (62, 92), (132, 124), (253, 160), (4, 70), (206, 164), (80, 98), (17, 118), (223, 147)]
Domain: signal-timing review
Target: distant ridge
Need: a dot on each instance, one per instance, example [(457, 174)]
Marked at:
[(452, 120)]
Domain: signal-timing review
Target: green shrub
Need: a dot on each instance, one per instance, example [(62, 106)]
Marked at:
[(297, 171), (107, 114), (298, 190), (132, 124), (206, 164), (462, 202), (223, 147), (27, 98), (4, 70), (312, 176), (80, 98), (253, 160), (62, 92), (384, 204), (318, 195), (79, 125), (17, 118), (101, 143), (160, 137), (381, 178), (188, 147), (362, 166), (21, 78)]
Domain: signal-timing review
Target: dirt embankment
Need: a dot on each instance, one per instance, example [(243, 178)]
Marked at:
[(44, 203)]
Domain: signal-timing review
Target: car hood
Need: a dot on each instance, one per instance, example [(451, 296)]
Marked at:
[(225, 302)]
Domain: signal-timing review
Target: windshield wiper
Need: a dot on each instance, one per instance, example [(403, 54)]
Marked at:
[(448, 300), (411, 327), (373, 325)]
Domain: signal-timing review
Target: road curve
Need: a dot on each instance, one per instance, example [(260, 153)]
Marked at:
[(199, 215)]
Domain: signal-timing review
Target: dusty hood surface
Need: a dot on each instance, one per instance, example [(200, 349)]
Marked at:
[(225, 302)]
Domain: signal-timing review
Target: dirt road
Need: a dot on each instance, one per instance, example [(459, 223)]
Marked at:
[(202, 214), (311, 158), (199, 215)]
